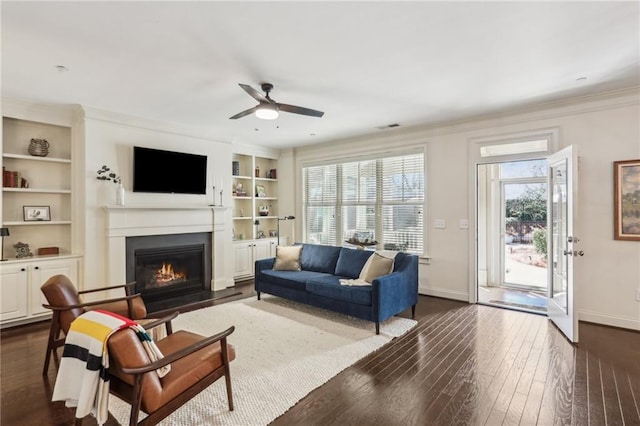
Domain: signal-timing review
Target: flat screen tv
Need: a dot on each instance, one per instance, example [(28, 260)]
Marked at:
[(168, 172)]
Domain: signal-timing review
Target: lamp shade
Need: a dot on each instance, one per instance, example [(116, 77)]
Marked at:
[(4, 232), (267, 111)]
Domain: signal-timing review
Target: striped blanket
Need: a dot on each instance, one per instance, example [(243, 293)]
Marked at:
[(83, 378)]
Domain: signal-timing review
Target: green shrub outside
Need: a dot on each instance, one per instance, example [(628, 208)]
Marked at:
[(540, 241)]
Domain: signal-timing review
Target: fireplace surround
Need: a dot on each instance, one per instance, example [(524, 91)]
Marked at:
[(130, 221)]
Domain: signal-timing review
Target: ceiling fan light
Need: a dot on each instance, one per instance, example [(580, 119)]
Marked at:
[(267, 112)]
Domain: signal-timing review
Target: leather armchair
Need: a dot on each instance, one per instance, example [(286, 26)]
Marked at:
[(196, 362), (65, 302)]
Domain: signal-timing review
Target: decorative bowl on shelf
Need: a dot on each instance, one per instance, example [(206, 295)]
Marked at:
[(39, 147)]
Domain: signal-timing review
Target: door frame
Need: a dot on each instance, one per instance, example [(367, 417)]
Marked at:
[(475, 144)]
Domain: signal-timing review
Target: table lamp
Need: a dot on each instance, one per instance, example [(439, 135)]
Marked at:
[(4, 232)]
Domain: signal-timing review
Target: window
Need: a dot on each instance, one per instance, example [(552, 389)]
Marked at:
[(377, 200)]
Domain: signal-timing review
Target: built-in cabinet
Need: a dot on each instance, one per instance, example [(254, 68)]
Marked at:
[(20, 281), (247, 252), (255, 211), (37, 209)]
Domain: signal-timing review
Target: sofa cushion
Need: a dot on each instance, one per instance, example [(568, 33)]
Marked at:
[(398, 260), (319, 258), (378, 267), (330, 287), (351, 261), (287, 258), (295, 280)]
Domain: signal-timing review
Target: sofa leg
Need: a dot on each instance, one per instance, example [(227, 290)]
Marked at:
[(377, 328), (258, 295), (413, 312)]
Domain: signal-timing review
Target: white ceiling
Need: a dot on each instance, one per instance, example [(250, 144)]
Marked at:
[(366, 64)]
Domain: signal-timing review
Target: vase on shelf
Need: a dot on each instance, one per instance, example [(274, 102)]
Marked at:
[(120, 195)]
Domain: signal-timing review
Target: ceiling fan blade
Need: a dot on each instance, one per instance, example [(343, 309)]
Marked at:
[(245, 112), (253, 93), (300, 110)]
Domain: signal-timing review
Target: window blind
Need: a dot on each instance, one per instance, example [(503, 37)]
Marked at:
[(320, 203), (375, 199)]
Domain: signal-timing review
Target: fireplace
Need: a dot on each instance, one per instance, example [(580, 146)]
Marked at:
[(169, 266)]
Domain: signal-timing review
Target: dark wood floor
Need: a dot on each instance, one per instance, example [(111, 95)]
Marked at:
[(463, 364)]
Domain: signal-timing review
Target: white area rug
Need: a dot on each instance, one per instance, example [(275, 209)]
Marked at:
[(284, 350)]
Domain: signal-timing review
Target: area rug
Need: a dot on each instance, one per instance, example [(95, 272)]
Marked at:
[(284, 350), (519, 305)]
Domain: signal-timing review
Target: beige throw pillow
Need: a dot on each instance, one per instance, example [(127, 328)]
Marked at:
[(378, 267), (287, 258)]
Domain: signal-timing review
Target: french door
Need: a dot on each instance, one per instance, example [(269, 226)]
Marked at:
[(562, 244)]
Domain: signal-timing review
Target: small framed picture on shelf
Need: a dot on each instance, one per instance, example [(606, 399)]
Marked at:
[(36, 213), (260, 191)]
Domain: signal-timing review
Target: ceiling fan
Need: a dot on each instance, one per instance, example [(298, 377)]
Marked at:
[(268, 109)]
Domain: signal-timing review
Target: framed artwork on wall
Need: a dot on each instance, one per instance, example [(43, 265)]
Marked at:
[(626, 199)]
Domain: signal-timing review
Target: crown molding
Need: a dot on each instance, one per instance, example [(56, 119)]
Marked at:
[(542, 111), (149, 124), (506, 117), (56, 114)]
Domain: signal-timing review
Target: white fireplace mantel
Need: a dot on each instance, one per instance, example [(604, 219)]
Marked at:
[(135, 221)]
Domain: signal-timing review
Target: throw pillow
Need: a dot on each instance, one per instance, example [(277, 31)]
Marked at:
[(389, 254), (287, 258), (378, 267)]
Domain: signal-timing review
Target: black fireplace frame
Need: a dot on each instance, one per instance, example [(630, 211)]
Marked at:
[(166, 241)]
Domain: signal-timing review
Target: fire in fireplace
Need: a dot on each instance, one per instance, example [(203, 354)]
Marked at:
[(169, 266), (166, 275), (175, 269)]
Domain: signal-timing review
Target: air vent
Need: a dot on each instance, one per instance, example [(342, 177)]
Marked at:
[(388, 126)]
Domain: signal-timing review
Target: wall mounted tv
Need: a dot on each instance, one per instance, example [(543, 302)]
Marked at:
[(168, 172)]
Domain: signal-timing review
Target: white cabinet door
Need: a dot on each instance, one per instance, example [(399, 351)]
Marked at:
[(13, 292), (261, 250), (41, 271), (272, 248), (243, 259)]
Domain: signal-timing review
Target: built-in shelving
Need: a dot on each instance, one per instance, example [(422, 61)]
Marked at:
[(49, 181), (38, 190), (253, 172), (37, 223), (33, 158), (254, 234)]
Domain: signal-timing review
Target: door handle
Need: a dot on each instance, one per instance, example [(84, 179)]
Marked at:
[(574, 253)]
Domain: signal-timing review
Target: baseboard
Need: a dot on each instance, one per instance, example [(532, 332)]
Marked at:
[(614, 321), (446, 294)]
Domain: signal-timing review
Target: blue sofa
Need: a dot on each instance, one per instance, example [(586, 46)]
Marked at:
[(317, 284)]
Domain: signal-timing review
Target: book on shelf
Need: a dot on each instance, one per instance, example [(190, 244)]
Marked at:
[(13, 179)]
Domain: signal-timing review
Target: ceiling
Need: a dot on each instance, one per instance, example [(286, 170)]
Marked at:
[(365, 64)]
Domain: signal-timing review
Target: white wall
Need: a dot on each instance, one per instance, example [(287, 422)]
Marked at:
[(109, 139), (605, 128)]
